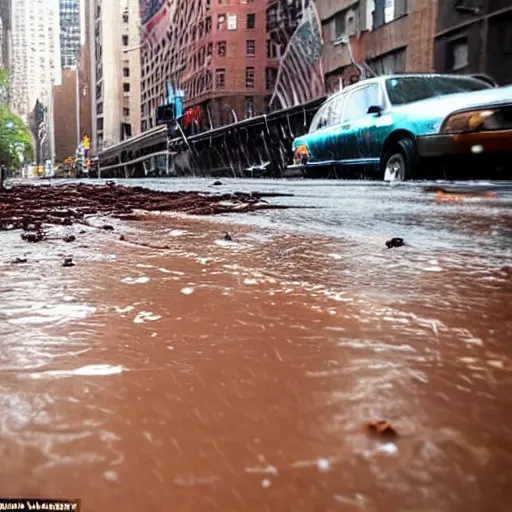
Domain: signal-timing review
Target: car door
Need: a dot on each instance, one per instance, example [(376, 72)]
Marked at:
[(322, 142), (361, 129), (316, 130)]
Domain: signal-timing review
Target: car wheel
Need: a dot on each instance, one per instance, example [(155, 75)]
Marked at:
[(401, 162)]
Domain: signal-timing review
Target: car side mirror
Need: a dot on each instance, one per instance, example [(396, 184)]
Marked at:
[(375, 109)]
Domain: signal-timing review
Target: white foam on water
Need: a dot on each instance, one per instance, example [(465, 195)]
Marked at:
[(187, 291), (145, 316), (136, 280), (177, 232), (93, 370), (127, 309), (266, 483)]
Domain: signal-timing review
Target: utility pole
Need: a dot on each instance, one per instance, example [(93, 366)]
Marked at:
[(77, 100)]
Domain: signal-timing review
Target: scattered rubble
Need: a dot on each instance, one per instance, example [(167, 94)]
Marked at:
[(68, 262), (395, 242), (28, 207), (228, 237), (381, 428)]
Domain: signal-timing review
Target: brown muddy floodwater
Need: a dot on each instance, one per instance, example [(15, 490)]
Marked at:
[(233, 376)]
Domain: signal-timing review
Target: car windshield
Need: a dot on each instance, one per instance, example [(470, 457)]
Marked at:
[(415, 88)]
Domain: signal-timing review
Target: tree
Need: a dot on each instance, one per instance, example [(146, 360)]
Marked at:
[(15, 141), (4, 86)]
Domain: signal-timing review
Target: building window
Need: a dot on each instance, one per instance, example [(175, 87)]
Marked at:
[(459, 54), (249, 106), (272, 50), (221, 48), (99, 123), (209, 49), (220, 78), (125, 40), (251, 20), (126, 72), (126, 87), (222, 2), (221, 22), (208, 25), (270, 78), (126, 18), (250, 48), (99, 108), (272, 18), (126, 111), (249, 77), (232, 22)]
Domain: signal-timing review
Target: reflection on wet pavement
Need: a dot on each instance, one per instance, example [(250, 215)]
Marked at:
[(239, 375)]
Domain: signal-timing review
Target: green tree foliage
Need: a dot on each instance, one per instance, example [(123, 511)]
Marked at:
[(15, 140), (4, 86)]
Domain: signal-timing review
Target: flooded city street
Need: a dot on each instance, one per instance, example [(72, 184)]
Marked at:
[(174, 369)]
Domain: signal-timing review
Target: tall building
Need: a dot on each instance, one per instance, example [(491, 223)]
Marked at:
[(72, 99), (35, 63), (475, 37), (70, 33), (115, 70), (5, 32), (224, 55)]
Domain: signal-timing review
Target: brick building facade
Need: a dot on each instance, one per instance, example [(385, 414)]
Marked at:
[(376, 36), (475, 37), (219, 52)]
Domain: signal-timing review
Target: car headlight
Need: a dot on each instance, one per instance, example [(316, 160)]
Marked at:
[(465, 121)]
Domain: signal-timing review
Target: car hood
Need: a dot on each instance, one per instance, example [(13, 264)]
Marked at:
[(442, 106)]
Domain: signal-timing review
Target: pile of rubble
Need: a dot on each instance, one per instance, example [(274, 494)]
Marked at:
[(29, 207)]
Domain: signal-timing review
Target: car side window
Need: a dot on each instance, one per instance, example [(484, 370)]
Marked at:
[(336, 110), (359, 101), (320, 120)]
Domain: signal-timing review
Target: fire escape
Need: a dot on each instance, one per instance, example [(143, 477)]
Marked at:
[(283, 17)]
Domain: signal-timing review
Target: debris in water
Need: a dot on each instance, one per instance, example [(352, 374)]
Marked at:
[(107, 227), (19, 260), (29, 207), (69, 238), (395, 242), (68, 262), (228, 237), (33, 238), (122, 238), (217, 183), (381, 428)]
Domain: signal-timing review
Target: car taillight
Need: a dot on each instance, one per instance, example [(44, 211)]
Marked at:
[(301, 154)]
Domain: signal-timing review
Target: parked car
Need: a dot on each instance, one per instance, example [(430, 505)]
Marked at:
[(393, 124)]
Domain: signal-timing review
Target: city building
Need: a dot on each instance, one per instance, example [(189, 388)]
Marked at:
[(70, 33), (5, 32), (35, 65), (225, 55), (366, 37), (72, 99), (115, 71), (475, 37)]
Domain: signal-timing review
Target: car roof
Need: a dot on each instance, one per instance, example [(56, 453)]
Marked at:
[(382, 78)]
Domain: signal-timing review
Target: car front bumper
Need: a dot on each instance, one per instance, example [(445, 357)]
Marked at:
[(465, 143)]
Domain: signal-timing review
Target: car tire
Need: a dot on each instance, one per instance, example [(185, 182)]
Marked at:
[(401, 161)]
